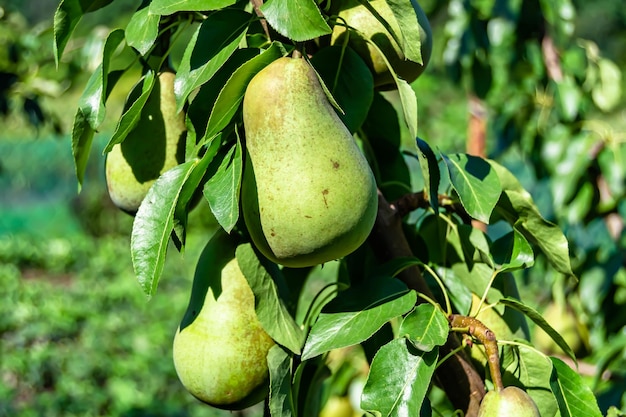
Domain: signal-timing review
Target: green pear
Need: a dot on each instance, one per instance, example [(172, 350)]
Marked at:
[(220, 348), (308, 194), (509, 402), (155, 145), (563, 319), (368, 28)]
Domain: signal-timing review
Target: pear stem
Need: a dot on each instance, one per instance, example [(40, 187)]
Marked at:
[(475, 328)]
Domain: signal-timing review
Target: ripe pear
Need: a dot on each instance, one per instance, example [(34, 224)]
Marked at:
[(368, 27), (220, 348), (308, 195), (509, 402), (155, 145)]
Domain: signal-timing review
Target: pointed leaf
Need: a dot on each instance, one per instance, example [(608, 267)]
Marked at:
[(298, 20), (167, 7), (399, 379), (409, 105), (347, 328), (476, 183), (215, 40), (222, 189), (153, 225), (430, 171), (517, 207), (92, 100), (280, 398), (82, 138), (270, 309), (67, 16), (231, 95), (573, 395), (405, 14), (512, 251), (132, 110), (541, 322), (142, 30), (425, 327)]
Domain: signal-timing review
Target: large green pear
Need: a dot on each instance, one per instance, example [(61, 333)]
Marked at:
[(220, 348), (366, 27), (155, 145), (308, 195), (509, 402)]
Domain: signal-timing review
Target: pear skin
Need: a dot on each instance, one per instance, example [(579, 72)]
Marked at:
[(509, 402), (220, 348), (367, 27), (155, 145), (308, 194)]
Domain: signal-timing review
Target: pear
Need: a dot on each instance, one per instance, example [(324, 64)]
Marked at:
[(367, 27), (155, 145), (308, 194), (220, 348), (509, 402)]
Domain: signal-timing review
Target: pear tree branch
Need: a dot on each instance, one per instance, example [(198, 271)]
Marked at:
[(457, 376)]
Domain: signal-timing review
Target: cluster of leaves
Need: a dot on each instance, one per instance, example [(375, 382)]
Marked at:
[(364, 303)]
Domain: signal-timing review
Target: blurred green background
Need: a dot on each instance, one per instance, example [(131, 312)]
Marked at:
[(78, 337)]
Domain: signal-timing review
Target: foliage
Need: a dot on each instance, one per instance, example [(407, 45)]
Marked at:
[(375, 323)]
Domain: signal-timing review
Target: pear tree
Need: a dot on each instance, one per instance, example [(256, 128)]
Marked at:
[(354, 258)]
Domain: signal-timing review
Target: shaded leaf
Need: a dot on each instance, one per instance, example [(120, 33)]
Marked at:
[(572, 394), (430, 171), (281, 402), (153, 225), (398, 380), (215, 40), (82, 138), (476, 183), (409, 27), (512, 251), (425, 327), (350, 326), (299, 20), (270, 309)]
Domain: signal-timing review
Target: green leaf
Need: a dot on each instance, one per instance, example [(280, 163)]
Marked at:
[(142, 30), (95, 94), (398, 380), (231, 95), (132, 109), (409, 27), (351, 326), (167, 7), (409, 105), (608, 92), (516, 206), (270, 309), (573, 395), (430, 171), (67, 16), (222, 189), (541, 322), (281, 402), (425, 327), (298, 20), (512, 251), (349, 80), (82, 138), (476, 183), (215, 40), (153, 225)]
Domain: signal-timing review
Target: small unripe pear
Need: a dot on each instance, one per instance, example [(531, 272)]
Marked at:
[(155, 145), (509, 402), (220, 348)]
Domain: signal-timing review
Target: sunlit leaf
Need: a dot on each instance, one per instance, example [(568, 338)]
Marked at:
[(512, 251), (476, 183), (573, 395), (142, 30), (82, 138), (410, 30), (167, 7), (299, 20), (398, 380), (425, 327)]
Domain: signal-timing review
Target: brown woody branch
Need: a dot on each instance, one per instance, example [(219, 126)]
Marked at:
[(412, 201), (457, 376)]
